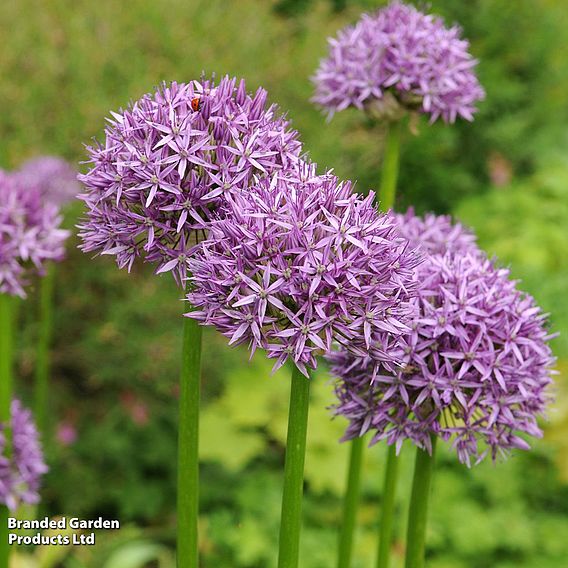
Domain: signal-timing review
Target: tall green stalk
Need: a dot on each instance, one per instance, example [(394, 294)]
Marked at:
[(390, 165), (350, 504), (6, 357), (387, 509), (41, 394), (387, 196), (291, 519), (418, 511), (188, 447)]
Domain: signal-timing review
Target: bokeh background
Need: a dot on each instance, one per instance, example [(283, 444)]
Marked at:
[(112, 447)]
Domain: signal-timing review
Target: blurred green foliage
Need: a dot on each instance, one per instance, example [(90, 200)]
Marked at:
[(65, 64), (128, 548)]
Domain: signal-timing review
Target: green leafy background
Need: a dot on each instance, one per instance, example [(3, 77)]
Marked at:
[(64, 64)]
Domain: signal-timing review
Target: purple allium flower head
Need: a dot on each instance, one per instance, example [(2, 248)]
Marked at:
[(30, 233), (21, 459), (435, 234), (474, 369), (395, 59), (302, 262), (54, 177), (169, 162)]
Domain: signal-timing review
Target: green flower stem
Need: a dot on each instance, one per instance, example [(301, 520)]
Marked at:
[(418, 511), (390, 165), (4, 546), (41, 395), (387, 509), (291, 520), (6, 346), (350, 504), (387, 198), (188, 447)]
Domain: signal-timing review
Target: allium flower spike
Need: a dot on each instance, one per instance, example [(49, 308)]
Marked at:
[(30, 233), (169, 163), (22, 468), (475, 367), (302, 262), (399, 59), (54, 177)]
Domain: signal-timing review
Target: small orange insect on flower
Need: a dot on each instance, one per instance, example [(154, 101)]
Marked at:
[(196, 104)]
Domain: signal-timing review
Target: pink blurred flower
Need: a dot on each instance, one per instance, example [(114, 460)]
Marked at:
[(66, 433)]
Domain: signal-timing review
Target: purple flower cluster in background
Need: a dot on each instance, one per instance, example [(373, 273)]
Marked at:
[(54, 177), (301, 262), (170, 161), (21, 460), (435, 234), (473, 370), (395, 59), (30, 233)]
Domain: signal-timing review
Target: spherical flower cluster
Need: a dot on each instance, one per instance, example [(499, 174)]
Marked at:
[(169, 162), (302, 262), (473, 370), (435, 234), (22, 468), (30, 233), (399, 59), (55, 178)]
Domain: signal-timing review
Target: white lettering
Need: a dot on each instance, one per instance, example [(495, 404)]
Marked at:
[(99, 523)]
